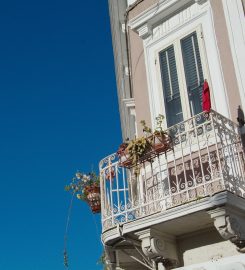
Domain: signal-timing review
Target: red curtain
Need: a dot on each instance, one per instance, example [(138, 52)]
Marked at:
[(206, 100)]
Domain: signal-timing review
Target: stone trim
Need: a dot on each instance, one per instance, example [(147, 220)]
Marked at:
[(158, 247), (231, 225)]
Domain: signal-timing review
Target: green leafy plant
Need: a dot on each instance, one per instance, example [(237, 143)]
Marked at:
[(82, 183), (86, 187), (159, 121), (102, 261), (146, 129), (137, 148), (134, 152)]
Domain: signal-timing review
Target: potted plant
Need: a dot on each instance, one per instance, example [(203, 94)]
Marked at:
[(138, 149), (122, 153), (131, 153), (159, 139), (86, 187), (110, 173)]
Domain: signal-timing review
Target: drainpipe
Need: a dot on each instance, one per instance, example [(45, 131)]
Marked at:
[(130, 8)]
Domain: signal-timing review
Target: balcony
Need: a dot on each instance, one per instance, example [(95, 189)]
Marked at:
[(206, 158)]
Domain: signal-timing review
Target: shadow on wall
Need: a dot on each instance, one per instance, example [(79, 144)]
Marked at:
[(241, 121)]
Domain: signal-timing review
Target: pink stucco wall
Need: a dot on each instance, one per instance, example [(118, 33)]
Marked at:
[(226, 57)]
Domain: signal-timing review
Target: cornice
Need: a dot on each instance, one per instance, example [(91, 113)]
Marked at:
[(144, 22), (110, 235)]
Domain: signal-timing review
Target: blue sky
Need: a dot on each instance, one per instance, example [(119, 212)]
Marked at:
[(59, 114)]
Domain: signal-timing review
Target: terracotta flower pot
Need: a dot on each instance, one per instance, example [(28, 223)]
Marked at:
[(124, 158), (110, 174), (93, 198), (161, 142)]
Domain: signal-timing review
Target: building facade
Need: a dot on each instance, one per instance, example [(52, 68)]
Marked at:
[(185, 207)]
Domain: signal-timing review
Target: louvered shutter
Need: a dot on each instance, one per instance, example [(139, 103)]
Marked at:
[(170, 85), (193, 72)]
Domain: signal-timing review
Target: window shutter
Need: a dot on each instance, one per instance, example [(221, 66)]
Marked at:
[(193, 71), (170, 85)]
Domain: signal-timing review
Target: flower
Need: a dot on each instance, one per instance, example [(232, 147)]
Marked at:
[(86, 178), (79, 175), (82, 183), (79, 196)]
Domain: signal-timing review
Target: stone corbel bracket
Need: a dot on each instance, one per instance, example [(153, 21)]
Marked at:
[(158, 246), (231, 225), (145, 31)]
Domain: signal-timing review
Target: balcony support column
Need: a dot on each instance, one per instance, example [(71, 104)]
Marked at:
[(230, 224), (159, 248)]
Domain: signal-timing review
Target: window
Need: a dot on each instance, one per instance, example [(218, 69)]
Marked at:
[(179, 87), (171, 86)]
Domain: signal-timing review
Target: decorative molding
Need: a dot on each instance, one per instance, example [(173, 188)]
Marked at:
[(231, 226), (126, 71), (178, 20), (129, 108), (145, 31), (158, 246), (154, 11), (158, 12), (123, 27), (129, 102)]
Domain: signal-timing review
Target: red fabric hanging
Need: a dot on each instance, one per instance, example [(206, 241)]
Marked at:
[(206, 100)]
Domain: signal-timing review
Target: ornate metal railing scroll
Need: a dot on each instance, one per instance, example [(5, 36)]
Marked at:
[(207, 158)]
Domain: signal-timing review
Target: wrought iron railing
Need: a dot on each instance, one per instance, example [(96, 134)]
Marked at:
[(207, 158)]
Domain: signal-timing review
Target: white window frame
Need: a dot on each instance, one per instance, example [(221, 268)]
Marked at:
[(211, 64), (180, 71)]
